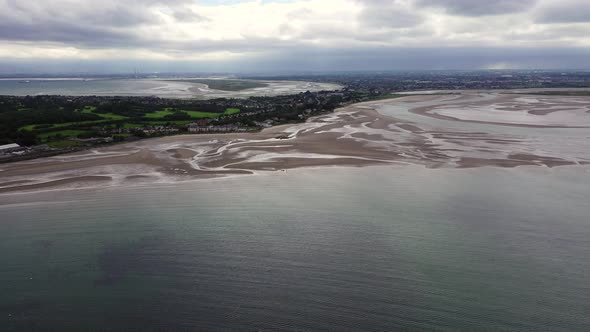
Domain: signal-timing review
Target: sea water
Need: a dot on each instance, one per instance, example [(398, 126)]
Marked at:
[(375, 249)]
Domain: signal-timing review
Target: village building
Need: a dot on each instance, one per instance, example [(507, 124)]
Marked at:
[(9, 148)]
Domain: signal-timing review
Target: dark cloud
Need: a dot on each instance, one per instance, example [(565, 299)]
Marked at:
[(479, 7), (389, 17), (65, 33), (105, 23), (324, 59), (564, 11), (388, 14), (107, 13)]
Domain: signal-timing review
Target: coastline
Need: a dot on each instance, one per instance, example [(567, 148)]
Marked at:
[(357, 135), (171, 88)]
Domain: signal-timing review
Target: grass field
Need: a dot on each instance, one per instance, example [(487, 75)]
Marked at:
[(193, 114), (86, 110), (231, 111), (61, 125), (28, 128), (159, 114), (202, 115), (387, 96), (106, 116), (69, 129)]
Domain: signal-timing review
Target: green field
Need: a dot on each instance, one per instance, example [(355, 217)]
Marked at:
[(193, 114), (63, 133), (387, 96), (87, 110), (159, 114), (60, 125), (231, 111), (51, 133), (202, 115), (28, 128), (106, 116)]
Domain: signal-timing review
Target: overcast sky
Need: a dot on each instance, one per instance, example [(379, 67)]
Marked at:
[(291, 35)]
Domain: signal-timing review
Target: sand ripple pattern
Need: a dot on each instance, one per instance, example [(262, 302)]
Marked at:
[(472, 129)]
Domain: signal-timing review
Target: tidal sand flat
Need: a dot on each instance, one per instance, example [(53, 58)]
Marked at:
[(164, 88), (473, 129)]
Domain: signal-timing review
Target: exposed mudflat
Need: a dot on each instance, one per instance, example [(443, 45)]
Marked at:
[(473, 129), (165, 88)]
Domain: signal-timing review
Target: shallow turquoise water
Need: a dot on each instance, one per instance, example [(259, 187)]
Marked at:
[(379, 248)]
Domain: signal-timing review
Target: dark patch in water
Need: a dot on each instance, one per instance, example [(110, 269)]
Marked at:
[(19, 309), (45, 244), (141, 257), (57, 274)]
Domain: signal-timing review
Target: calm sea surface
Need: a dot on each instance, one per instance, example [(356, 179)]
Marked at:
[(99, 87), (376, 249)]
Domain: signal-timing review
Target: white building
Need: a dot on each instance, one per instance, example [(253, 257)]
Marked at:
[(7, 148)]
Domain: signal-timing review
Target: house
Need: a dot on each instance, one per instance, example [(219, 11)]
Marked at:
[(202, 122), (193, 128), (8, 148), (198, 125)]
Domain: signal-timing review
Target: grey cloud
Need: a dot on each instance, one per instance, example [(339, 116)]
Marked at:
[(564, 11), (388, 14), (323, 31), (322, 59), (479, 8), (389, 18), (187, 15), (389, 35), (550, 33), (107, 13), (106, 23), (63, 33)]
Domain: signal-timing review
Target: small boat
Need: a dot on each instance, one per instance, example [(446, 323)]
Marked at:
[(24, 81)]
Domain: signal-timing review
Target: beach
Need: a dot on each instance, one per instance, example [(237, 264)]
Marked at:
[(472, 129), (183, 88)]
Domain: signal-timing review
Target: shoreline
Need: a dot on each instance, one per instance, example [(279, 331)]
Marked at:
[(171, 88), (356, 135)]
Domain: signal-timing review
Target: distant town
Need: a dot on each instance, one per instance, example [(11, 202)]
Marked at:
[(36, 126)]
